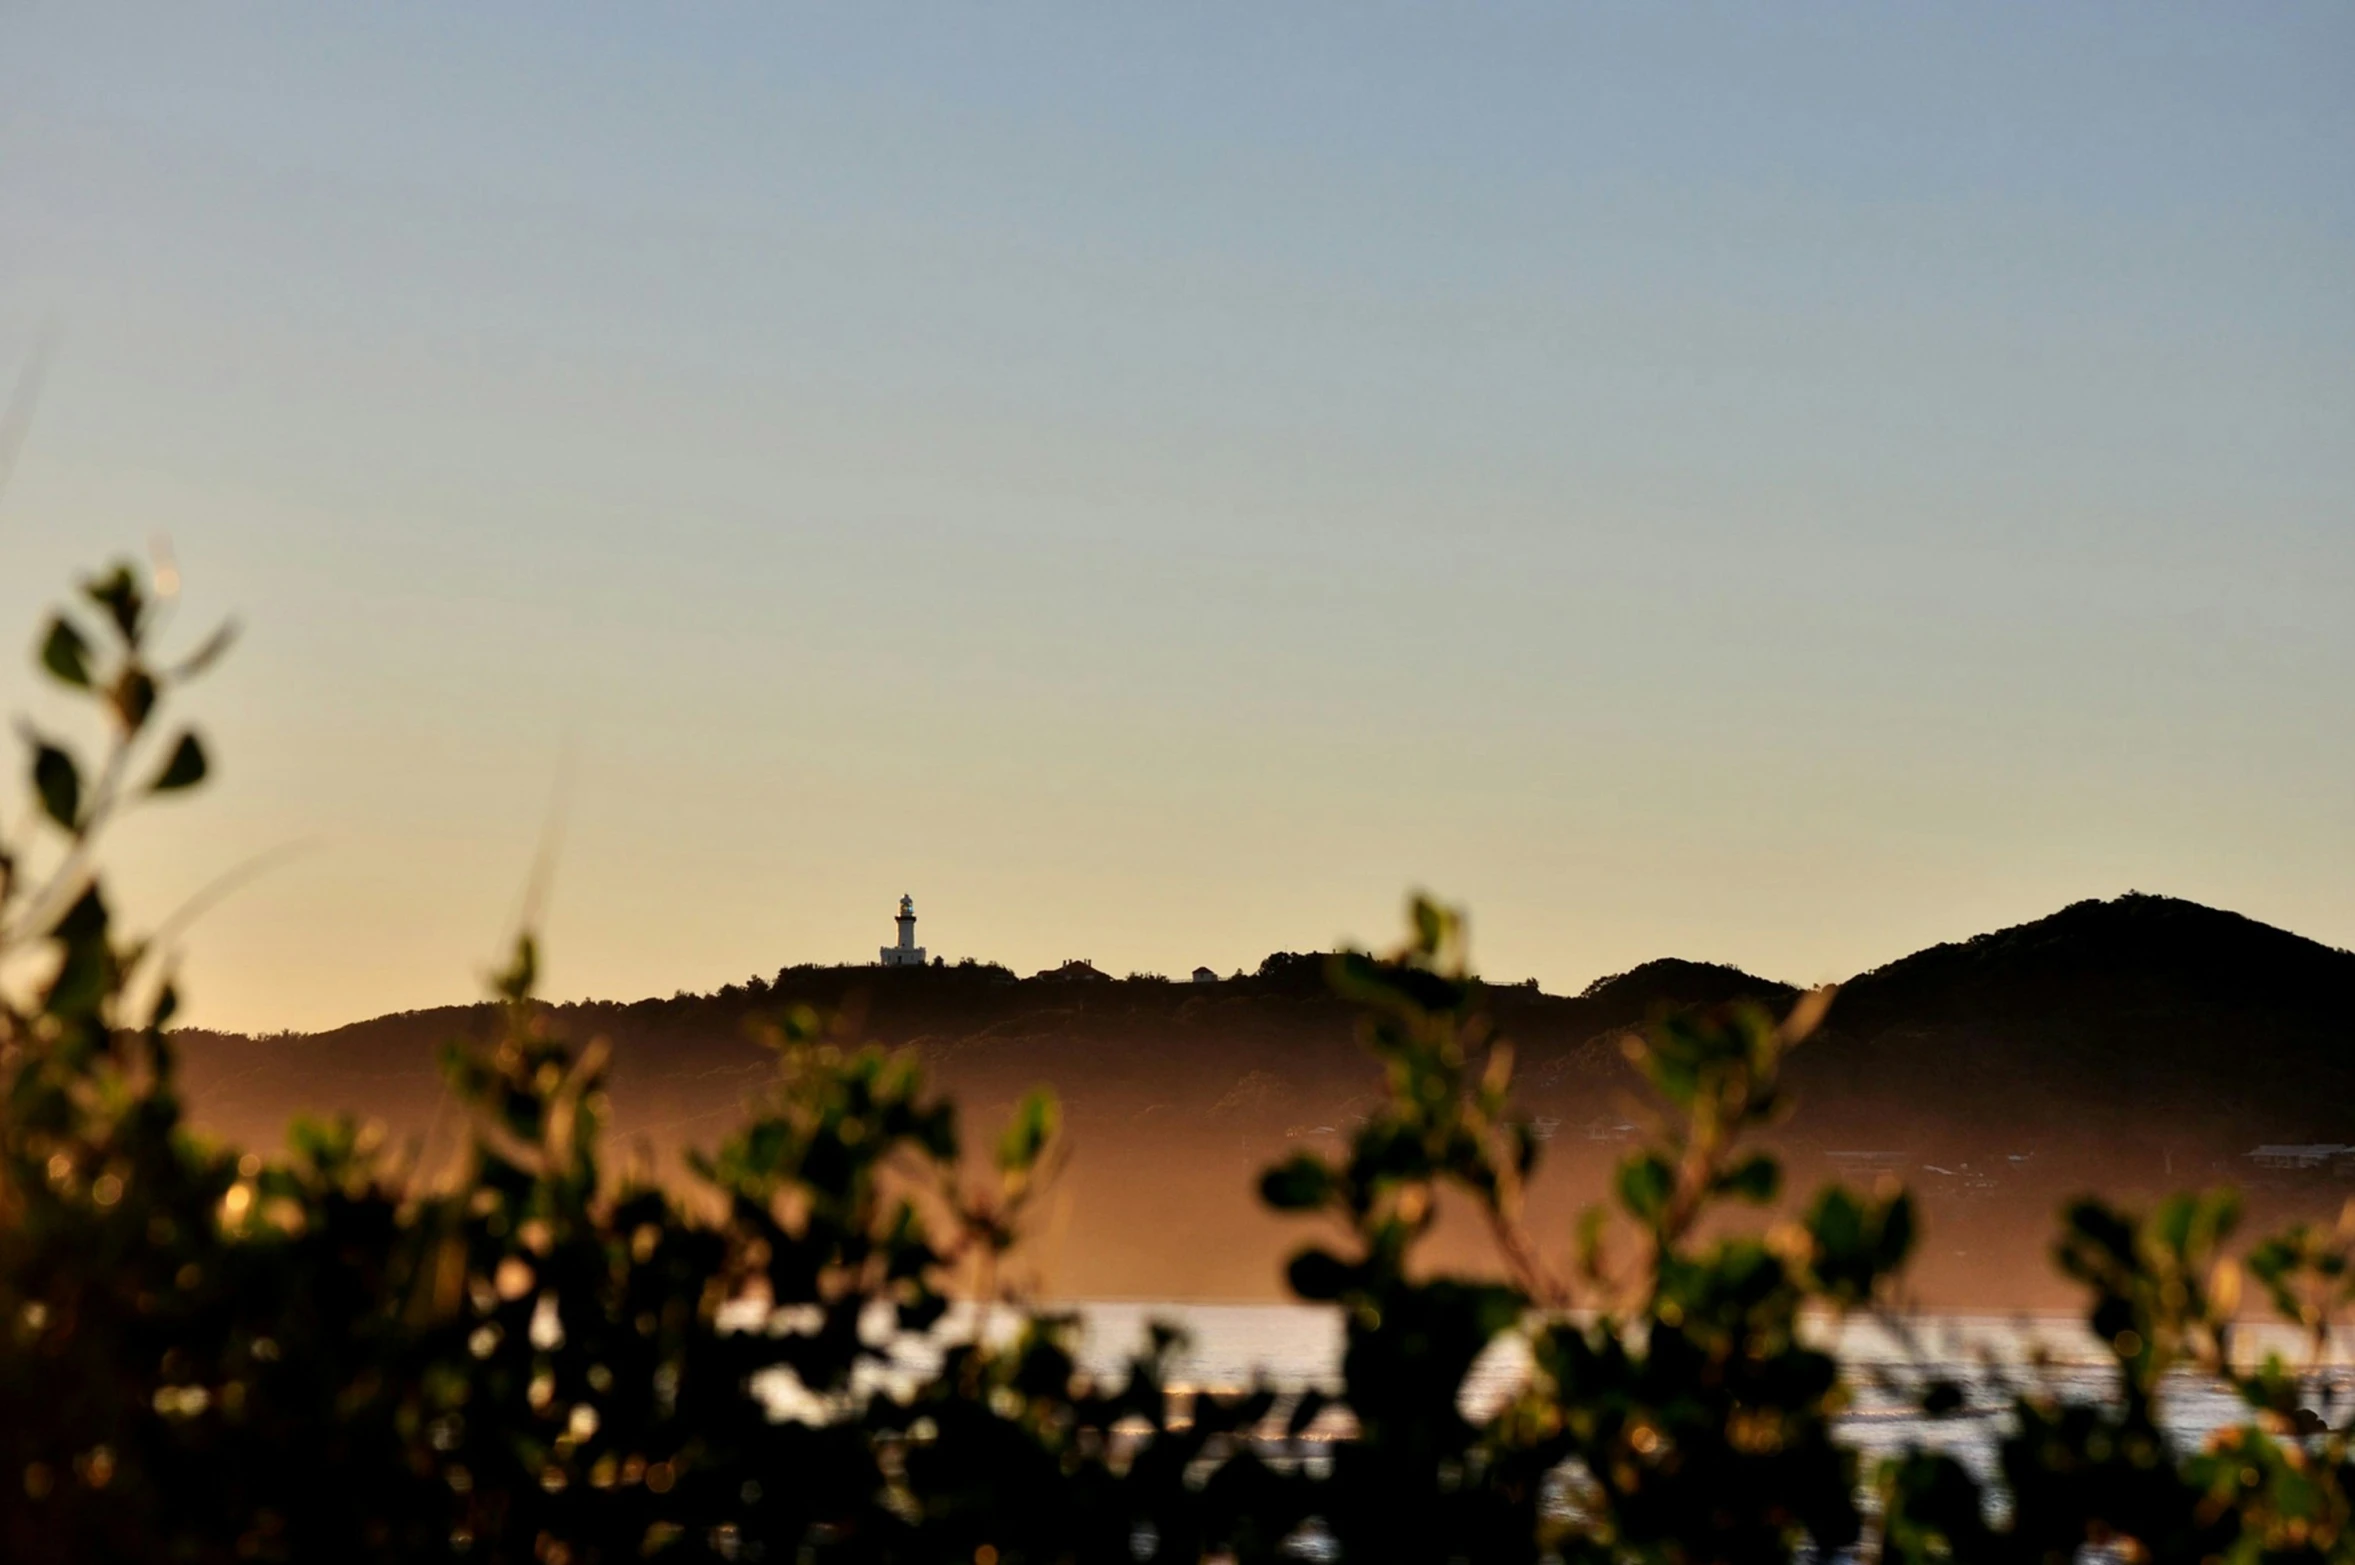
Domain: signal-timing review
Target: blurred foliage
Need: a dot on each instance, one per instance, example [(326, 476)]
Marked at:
[(333, 1354)]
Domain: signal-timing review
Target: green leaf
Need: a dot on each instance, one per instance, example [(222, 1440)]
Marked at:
[(1645, 1184), (1895, 1235), (1432, 925), (1859, 1242), (185, 769), (118, 593), (84, 923), (1320, 1277), (133, 697), (522, 973), (1837, 1224), (1300, 1184), (65, 654), (1756, 1179), (59, 783), (1027, 1134), (88, 973)]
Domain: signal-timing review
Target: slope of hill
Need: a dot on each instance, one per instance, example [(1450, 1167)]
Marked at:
[(2131, 1044), (2119, 1015)]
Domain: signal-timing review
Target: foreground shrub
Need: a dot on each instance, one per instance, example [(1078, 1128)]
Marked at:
[(325, 1355)]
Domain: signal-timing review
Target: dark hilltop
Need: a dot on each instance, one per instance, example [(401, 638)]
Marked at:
[(2130, 1045)]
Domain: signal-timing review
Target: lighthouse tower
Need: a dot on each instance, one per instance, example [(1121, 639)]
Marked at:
[(907, 953)]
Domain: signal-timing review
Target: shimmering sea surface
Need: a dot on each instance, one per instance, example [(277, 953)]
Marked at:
[(1989, 1356)]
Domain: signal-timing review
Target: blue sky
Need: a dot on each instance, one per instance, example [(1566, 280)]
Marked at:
[(1768, 484)]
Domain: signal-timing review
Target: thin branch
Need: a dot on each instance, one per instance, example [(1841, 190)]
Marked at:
[(16, 421)]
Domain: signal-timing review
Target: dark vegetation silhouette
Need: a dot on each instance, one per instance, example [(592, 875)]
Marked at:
[(332, 1353)]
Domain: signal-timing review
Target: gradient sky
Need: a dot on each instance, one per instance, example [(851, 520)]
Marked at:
[(1773, 484)]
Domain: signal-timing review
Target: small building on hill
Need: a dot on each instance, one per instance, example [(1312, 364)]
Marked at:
[(1868, 1164), (1080, 970), (2333, 1155), (906, 953), (1203, 975)]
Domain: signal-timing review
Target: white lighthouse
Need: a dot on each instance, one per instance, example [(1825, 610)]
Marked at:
[(907, 953)]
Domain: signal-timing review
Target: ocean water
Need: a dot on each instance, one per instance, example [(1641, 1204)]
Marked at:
[(1990, 1357), (1295, 1346)]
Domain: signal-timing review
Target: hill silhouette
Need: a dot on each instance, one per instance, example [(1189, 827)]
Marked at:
[(2135, 1043), (2125, 1015)]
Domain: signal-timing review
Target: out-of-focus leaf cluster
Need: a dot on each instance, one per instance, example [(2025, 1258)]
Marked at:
[(1673, 1405), (2166, 1290), (335, 1354)]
